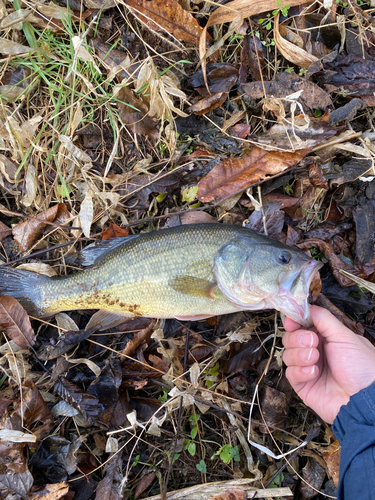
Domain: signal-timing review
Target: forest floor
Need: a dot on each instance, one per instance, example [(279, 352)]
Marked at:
[(130, 116)]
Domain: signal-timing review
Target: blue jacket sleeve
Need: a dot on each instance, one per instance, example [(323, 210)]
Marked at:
[(354, 427)]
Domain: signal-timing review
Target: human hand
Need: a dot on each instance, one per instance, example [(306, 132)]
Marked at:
[(327, 364)]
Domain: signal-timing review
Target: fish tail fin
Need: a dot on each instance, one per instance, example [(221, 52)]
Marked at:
[(24, 286)]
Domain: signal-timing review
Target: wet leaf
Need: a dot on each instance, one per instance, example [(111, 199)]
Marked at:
[(285, 84), (232, 175), (301, 133), (109, 488), (15, 321), (316, 176), (313, 474), (252, 59), (66, 341), (167, 15), (274, 409), (4, 231), (364, 218), (220, 78), (87, 404), (242, 357), (348, 111), (144, 483), (27, 233), (113, 231), (208, 103), (134, 113), (18, 485)]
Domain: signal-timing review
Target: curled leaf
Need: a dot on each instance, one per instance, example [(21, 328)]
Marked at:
[(15, 322)]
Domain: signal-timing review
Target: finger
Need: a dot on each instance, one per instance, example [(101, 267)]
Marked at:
[(300, 338), (329, 326), (298, 376), (291, 325), (301, 356)]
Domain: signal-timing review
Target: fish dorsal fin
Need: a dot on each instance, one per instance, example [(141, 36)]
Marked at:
[(197, 287), (96, 253)]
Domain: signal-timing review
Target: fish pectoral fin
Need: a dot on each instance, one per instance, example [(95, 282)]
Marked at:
[(196, 287), (101, 320)]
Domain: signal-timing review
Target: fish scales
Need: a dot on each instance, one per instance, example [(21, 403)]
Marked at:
[(187, 272)]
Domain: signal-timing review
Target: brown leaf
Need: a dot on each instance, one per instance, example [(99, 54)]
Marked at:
[(15, 321), (49, 491), (167, 15), (33, 409), (242, 357), (220, 78), (12, 459), (231, 494), (137, 340), (313, 475), (109, 488), (197, 217), (113, 58), (316, 176), (252, 59), (27, 233), (208, 103), (299, 134), (133, 113), (236, 174), (335, 263), (4, 231), (332, 459), (144, 483), (312, 97), (291, 52), (274, 409), (113, 231)]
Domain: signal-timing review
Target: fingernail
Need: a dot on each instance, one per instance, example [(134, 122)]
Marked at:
[(306, 355), (308, 370), (307, 339)]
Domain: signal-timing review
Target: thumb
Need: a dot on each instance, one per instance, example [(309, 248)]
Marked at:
[(329, 326)]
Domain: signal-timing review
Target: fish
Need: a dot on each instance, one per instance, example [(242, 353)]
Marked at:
[(188, 272)]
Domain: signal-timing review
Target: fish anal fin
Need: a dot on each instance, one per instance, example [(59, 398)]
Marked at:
[(196, 287), (102, 320)]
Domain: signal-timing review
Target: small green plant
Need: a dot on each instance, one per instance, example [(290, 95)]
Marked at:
[(189, 444), (213, 372), (202, 467), (289, 70), (163, 398), (228, 453), (288, 189)]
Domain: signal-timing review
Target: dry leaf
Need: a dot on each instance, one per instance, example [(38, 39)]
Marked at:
[(7, 47), (290, 51), (27, 233), (38, 267), (49, 491), (86, 214), (4, 231), (134, 113), (208, 103), (15, 322), (236, 174), (113, 231), (144, 483), (167, 15), (231, 494), (109, 488)]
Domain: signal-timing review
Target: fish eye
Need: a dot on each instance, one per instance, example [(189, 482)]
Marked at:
[(284, 257)]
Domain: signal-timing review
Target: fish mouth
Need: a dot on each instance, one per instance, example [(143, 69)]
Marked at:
[(293, 300)]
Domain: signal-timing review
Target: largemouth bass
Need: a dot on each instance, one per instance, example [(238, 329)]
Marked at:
[(188, 272)]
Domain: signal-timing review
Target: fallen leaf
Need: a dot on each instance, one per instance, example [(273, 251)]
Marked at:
[(300, 133), (316, 176), (113, 231), (313, 474), (49, 491), (332, 459), (4, 231), (144, 483), (16, 485), (291, 52), (220, 78), (232, 175), (274, 409), (87, 404), (7, 47), (134, 113), (15, 321), (208, 103), (271, 217), (86, 213), (364, 218), (167, 15), (284, 84), (27, 233), (252, 59), (348, 111), (137, 340), (231, 494), (109, 488), (242, 356), (116, 61)]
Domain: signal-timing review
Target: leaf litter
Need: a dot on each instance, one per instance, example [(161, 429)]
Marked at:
[(251, 113)]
